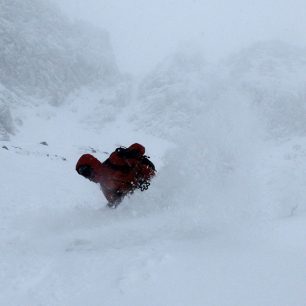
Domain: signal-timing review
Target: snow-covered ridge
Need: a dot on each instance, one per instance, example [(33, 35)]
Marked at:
[(268, 76)]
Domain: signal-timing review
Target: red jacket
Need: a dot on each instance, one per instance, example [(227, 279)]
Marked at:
[(120, 174)]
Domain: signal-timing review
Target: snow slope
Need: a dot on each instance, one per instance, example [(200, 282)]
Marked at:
[(223, 222), (60, 245)]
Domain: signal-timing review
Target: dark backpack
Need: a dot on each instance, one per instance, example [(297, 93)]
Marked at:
[(134, 154)]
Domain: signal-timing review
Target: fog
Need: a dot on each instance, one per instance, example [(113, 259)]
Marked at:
[(144, 32), (224, 220)]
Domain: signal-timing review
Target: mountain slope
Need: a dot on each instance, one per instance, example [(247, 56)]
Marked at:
[(45, 55), (60, 244), (223, 221)]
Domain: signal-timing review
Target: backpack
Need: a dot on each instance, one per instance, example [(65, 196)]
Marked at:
[(131, 153)]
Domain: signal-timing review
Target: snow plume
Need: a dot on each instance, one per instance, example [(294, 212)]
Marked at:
[(215, 173), (232, 160)]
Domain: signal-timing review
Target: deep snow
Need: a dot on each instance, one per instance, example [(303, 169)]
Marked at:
[(60, 245), (223, 222)]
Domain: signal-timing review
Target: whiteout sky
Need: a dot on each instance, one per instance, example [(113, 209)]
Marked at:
[(143, 32)]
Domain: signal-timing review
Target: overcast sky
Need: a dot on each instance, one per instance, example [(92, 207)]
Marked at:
[(145, 31)]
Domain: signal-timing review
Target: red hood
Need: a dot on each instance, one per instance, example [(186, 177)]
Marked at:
[(89, 160)]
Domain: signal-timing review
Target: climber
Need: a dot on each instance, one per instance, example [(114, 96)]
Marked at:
[(125, 170)]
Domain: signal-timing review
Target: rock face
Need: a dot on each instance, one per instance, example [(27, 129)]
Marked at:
[(43, 54), (6, 121), (44, 57)]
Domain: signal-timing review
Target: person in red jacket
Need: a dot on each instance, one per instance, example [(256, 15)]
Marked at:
[(125, 170)]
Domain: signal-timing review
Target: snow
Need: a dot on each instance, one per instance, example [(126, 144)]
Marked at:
[(223, 222), (60, 244)]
